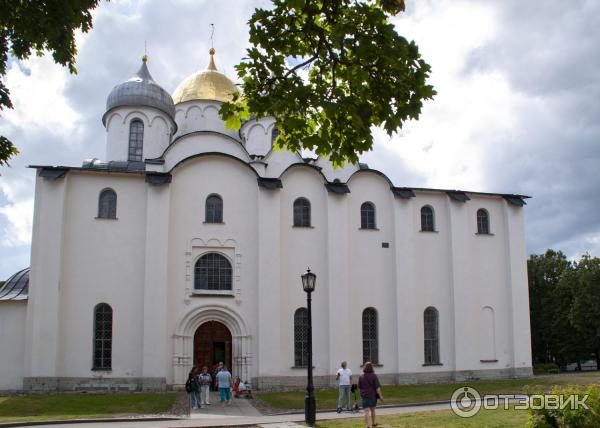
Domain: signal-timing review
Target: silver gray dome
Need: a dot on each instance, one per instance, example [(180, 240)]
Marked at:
[(140, 90)]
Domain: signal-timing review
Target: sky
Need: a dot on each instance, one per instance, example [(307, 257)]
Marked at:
[(517, 110)]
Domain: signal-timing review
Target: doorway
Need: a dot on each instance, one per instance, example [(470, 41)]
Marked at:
[(212, 344)]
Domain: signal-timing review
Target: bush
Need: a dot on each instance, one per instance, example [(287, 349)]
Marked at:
[(568, 417), (544, 368)]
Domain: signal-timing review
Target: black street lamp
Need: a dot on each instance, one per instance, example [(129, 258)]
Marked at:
[(310, 407)]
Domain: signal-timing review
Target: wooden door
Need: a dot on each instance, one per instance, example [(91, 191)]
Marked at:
[(212, 344)]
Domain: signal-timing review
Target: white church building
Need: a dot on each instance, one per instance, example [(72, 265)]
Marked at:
[(186, 245)]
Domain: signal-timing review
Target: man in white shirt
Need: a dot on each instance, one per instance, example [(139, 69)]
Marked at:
[(344, 376)]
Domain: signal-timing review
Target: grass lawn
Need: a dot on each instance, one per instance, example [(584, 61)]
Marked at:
[(407, 394), (73, 406), (441, 418)]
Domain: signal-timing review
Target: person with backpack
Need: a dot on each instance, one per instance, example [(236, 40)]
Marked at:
[(193, 389)]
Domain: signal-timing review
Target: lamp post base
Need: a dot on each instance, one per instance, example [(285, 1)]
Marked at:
[(310, 410)]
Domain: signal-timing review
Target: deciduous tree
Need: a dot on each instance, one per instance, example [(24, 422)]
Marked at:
[(39, 26), (329, 71)]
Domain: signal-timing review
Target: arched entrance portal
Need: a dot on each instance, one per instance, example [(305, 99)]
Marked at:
[(212, 344)]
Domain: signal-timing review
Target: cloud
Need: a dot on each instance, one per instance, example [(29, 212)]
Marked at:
[(517, 106)]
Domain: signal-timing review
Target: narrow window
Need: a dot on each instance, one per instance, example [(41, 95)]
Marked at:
[(301, 337), (367, 216), (427, 223), (107, 204), (103, 315), (274, 134), (369, 335), (214, 209), (432, 343), (212, 272), (483, 221), (301, 212), (136, 140)]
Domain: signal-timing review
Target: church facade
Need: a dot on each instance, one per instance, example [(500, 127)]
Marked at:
[(186, 245)]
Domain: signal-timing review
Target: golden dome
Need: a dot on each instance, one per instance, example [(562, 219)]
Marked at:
[(206, 85)]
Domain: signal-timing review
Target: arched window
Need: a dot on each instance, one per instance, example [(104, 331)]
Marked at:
[(369, 336), (103, 315), (301, 212), (107, 204), (136, 140), (427, 220), (274, 134), (431, 333), (483, 221), (214, 209), (301, 337), (212, 272), (367, 216)]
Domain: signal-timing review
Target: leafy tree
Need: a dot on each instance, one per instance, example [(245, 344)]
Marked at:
[(39, 26), (585, 309), (330, 70), (2, 283), (549, 307)]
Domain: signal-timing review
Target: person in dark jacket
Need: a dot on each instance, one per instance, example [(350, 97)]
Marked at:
[(370, 391), (192, 387)]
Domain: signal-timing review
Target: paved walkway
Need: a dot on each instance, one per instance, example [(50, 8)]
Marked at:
[(233, 416), (239, 407)]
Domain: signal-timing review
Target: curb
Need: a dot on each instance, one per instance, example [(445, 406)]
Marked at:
[(87, 421), (174, 418), (382, 406)]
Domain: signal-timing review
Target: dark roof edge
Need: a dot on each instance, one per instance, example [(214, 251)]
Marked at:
[(414, 189), (78, 168)]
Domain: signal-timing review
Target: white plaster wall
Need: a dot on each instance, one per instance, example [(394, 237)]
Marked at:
[(372, 278), (157, 132), (13, 315), (302, 248), (257, 135), (340, 173), (103, 262), (125, 263), (433, 279), (279, 160), (194, 144), (236, 238), (196, 115)]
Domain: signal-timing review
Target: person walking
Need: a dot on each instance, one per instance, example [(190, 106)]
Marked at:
[(344, 377), (205, 380), (193, 388), (225, 383), (370, 391)]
